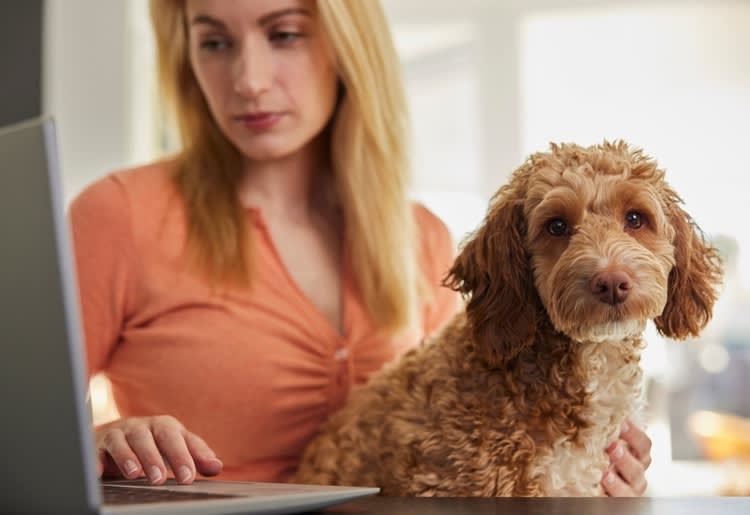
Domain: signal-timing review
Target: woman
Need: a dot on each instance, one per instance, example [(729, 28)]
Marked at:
[(238, 290)]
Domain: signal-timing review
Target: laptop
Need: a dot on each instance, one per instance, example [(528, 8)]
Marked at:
[(46, 442)]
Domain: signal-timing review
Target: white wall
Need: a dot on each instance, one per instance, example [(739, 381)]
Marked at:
[(89, 85)]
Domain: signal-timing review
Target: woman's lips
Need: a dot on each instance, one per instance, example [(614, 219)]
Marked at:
[(260, 120)]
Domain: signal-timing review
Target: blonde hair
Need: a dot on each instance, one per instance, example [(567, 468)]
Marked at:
[(368, 153)]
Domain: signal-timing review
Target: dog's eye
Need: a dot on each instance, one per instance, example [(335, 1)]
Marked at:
[(633, 220), (557, 227)]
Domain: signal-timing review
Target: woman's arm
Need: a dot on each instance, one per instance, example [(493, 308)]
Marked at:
[(107, 270), (105, 256)]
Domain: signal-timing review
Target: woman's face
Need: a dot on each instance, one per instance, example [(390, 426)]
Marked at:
[(265, 71)]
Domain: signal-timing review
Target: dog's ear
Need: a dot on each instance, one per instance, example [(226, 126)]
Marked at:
[(694, 280), (493, 274)]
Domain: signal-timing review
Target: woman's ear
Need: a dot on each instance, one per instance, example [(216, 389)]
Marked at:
[(493, 274), (695, 279)]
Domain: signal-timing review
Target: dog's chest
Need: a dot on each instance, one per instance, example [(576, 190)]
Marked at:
[(575, 466)]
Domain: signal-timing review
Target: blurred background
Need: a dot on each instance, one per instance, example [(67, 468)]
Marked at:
[(489, 81)]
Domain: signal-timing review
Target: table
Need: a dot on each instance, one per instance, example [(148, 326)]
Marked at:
[(545, 506)]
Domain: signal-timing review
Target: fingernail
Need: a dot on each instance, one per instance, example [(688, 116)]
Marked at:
[(130, 467), (619, 451), (154, 474), (184, 474), (609, 477), (624, 427)]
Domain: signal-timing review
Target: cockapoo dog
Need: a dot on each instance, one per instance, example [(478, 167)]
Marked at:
[(520, 394)]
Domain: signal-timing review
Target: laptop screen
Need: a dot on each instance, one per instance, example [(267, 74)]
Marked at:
[(45, 437)]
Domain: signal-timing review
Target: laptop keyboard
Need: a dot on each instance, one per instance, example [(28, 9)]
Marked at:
[(114, 495)]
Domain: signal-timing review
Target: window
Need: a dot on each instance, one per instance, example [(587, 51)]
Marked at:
[(441, 79)]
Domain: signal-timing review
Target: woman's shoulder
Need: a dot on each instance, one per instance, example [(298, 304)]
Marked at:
[(128, 203), (146, 186), (431, 229), (437, 252), (436, 246), (150, 180), (157, 174)]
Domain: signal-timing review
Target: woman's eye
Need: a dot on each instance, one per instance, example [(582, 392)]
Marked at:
[(633, 220), (557, 227), (214, 45), (285, 37)]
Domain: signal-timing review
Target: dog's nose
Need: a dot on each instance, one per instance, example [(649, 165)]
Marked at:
[(611, 287)]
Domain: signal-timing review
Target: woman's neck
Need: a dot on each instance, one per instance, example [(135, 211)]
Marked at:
[(287, 188)]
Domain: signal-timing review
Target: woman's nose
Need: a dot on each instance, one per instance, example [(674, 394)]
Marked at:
[(253, 69)]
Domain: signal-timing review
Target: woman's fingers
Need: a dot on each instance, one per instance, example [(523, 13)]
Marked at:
[(627, 467), (114, 445), (170, 439), (630, 456), (638, 441), (615, 486), (142, 443), (137, 446), (205, 459)]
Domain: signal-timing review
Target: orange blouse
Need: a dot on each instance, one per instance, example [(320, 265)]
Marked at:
[(254, 373)]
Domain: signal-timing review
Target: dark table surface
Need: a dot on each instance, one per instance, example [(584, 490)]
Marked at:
[(546, 506)]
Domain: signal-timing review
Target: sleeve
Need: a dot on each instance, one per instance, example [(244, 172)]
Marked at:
[(438, 253), (104, 253)]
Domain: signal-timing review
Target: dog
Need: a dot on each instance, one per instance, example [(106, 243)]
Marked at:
[(522, 391)]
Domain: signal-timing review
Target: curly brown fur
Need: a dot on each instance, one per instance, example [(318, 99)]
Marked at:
[(520, 394)]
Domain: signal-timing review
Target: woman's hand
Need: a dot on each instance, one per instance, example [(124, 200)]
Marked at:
[(131, 447), (630, 456)]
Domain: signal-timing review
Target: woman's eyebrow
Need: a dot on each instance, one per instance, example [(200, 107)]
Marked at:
[(270, 17), (203, 19)]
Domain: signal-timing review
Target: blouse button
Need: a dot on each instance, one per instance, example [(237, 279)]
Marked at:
[(342, 356)]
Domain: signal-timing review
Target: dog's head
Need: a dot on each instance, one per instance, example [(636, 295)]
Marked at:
[(591, 240)]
